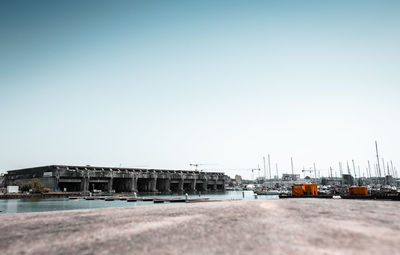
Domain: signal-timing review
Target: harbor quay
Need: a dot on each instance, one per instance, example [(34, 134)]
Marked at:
[(118, 179), (301, 226)]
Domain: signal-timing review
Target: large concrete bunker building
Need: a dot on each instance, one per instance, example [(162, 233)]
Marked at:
[(89, 178)]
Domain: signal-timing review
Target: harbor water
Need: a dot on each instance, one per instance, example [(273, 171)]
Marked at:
[(57, 204)]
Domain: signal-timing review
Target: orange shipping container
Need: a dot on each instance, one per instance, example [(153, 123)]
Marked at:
[(311, 189), (304, 189), (358, 190), (297, 190)]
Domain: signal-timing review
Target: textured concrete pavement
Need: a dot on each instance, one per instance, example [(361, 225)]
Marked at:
[(292, 226)]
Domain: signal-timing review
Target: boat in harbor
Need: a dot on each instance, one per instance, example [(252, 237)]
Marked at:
[(305, 191), (362, 192)]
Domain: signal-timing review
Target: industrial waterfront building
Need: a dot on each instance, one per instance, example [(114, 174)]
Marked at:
[(89, 178)]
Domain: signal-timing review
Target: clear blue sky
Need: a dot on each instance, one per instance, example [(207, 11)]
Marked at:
[(167, 83)]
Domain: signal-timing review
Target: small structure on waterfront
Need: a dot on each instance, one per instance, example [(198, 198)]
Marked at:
[(12, 189), (89, 178)]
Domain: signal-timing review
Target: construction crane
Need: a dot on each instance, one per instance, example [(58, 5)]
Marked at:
[(196, 165), (246, 170), (305, 170)]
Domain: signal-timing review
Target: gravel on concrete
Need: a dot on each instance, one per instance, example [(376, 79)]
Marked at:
[(291, 226)]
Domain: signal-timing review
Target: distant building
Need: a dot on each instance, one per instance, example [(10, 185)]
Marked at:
[(348, 179), (2, 181), (331, 181), (238, 179), (260, 179), (290, 177), (118, 179)]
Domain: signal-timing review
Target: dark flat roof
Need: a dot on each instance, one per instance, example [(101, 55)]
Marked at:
[(97, 168)]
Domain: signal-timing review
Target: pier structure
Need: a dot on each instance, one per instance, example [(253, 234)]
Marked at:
[(118, 179)]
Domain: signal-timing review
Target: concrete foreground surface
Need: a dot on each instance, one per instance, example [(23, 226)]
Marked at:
[(292, 226)]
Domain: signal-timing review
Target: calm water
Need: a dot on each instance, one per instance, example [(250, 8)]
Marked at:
[(56, 204)]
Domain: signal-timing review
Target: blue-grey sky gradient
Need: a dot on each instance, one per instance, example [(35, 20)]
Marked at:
[(168, 83)]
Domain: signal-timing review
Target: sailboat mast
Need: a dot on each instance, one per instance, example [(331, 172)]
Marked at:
[(269, 166), (354, 170), (393, 173), (315, 173), (348, 168), (265, 170), (291, 160), (369, 169), (383, 166), (377, 158)]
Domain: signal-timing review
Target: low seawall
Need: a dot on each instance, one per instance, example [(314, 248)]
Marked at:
[(301, 226), (39, 195)]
